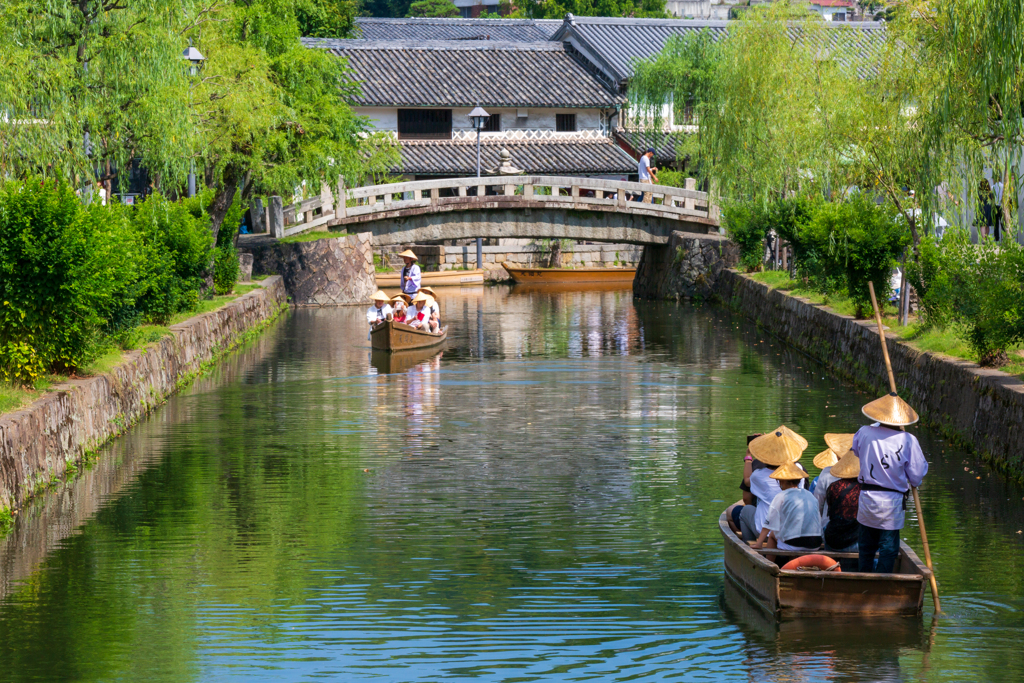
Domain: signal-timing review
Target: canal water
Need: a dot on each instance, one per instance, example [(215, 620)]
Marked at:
[(539, 502)]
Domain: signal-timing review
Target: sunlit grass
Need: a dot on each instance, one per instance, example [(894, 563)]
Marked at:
[(919, 335), (312, 236), (13, 397)]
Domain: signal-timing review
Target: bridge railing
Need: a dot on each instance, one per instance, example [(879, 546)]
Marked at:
[(683, 203)]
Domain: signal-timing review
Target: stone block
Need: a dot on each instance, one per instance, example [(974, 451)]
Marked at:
[(244, 267), (500, 258)]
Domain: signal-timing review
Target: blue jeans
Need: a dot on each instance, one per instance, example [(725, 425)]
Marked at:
[(886, 542)]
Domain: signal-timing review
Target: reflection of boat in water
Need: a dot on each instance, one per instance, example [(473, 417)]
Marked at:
[(786, 594), (523, 275), (399, 361), (392, 336), (559, 287), (440, 278)]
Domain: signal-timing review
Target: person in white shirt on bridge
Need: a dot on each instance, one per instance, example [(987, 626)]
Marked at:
[(891, 461), (379, 311), (648, 174), (410, 276)]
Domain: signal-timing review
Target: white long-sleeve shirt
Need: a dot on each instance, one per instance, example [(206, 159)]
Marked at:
[(764, 489), (375, 315), (891, 459), (821, 485), (412, 285)]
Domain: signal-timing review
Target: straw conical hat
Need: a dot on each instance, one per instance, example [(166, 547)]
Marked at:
[(891, 410), (420, 296), (408, 254), (778, 447), (381, 296), (404, 298), (788, 471), (429, 291), (839, 443), (848, 466), (827, 458)]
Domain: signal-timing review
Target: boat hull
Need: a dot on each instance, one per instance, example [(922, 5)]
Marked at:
[(391, 336), (387, 362), (791, 594), (569, 275), (443, 278)]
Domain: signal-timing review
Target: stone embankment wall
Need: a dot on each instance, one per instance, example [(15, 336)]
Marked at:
[(333, 271), (978, 408), (38, 442), (688, 266)]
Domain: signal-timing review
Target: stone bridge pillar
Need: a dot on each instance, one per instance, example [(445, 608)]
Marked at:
[(686, 267)]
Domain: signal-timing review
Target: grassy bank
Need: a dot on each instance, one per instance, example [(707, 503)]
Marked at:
[(13, 397), (919, 335)]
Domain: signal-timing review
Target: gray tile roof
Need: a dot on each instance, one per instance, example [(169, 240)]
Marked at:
[(552, 157), (616, 43), (516, 30), (466, 73)]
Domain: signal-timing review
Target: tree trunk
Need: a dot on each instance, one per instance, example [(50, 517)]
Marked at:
[(221, 203)]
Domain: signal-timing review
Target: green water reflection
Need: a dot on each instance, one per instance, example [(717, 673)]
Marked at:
[(538, 502)]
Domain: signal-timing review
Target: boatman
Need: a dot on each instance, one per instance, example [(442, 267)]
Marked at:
[(379, 311), (410, 277), (891, 461)]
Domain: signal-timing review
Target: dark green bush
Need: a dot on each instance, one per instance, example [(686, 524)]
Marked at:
[(182, 251), (62, 268), (745, 225), (225, 269)]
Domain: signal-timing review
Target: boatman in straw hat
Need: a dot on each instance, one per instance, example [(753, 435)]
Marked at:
[(379, 311), (891, 461), (410, 277)]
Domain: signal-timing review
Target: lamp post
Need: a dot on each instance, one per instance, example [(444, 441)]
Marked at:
[(479, 118), (195, 58)]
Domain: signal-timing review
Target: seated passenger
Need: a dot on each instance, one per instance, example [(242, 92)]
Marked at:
[(735, 513), (419, 316), (793, 520), (380, 310), (842, 500), (823, 461), (435, 310), (769, 451), (400, 307)]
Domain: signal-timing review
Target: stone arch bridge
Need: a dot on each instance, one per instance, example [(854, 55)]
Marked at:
[(677, 226)]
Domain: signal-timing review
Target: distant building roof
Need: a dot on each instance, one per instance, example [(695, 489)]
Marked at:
[(614, 44), (516, 30), (663, 144), (537, 157), (467, 73)]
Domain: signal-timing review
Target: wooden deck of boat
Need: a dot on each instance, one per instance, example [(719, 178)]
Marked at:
[(787, 594), (526, 275), (442, 278)]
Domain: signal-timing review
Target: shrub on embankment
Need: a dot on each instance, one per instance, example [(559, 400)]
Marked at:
[(838, 247), (77, 279)]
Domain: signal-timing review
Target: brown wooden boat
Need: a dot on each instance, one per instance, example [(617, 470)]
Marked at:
[(392, 336), (441, 278), (523, 275), (787, 594)]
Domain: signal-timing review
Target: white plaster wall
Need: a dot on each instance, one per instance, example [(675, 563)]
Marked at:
[(386, 118)]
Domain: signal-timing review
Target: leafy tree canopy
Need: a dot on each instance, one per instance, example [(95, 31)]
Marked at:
[(433, 8), (326, 18), (557, 9)]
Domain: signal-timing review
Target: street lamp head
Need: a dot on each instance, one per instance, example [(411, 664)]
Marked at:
[(194, 56), (479, 118)]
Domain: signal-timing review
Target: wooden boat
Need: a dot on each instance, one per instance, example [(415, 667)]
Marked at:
[(558, 287), (400, 361), (786, 594), (392, 336), (568, 275), (439, 278)]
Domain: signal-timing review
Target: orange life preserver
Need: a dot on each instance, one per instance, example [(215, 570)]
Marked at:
[(825, 564)]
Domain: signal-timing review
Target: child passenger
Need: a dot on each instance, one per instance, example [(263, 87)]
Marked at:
[(399, 308), (794, 522)]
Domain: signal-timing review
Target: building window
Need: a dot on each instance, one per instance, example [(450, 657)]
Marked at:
[(839, 17), (493, 124), (424, 124), (565, 123)]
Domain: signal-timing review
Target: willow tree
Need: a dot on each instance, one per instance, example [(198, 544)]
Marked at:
[(272, 113), (90, 84)]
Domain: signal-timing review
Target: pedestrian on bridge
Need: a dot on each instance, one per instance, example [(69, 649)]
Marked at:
[(648, 174), (410, 277)]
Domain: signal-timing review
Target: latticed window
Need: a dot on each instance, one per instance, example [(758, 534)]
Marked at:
[(424, 124), (565, 123), (493, 124)]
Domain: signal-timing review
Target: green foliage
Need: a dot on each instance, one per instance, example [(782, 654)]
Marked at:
[(325, 18), (20, 364), (977, 289), (6, 521), (433, 8), (63, 268), (557, 9), (225, 268), (745, 225), (180, 240)]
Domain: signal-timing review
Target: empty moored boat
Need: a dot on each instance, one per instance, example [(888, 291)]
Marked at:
[(568, 275)]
